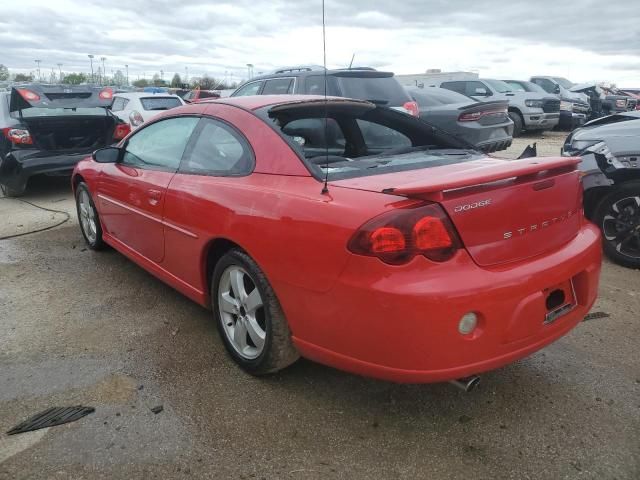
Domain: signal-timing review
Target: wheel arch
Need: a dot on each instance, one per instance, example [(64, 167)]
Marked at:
[(594, 196), (212, 252)]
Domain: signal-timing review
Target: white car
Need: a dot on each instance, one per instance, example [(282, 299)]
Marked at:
[(139, 107)]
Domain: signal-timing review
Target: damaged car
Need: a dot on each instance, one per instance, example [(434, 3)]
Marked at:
[(610, 151), (47, 129)]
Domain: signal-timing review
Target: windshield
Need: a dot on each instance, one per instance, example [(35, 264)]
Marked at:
[(159, 103), (380, 90), (363, 143), (563, 82), (499, 86), (60, 112)]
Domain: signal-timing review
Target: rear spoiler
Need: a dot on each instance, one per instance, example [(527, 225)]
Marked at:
[(433, 188)]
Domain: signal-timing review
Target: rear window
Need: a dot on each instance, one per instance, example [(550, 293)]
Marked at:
[(278, 86), (379, 90), (159, 103), (351, 144)]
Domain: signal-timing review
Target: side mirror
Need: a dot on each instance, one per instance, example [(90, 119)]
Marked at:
[(106, 155), (482, 92), (556, 89)]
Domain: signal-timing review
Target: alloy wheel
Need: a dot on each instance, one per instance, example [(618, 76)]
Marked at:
[(621, 226), (87, 216), (242, 312)]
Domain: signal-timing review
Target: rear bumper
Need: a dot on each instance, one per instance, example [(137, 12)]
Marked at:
[(20, 165), (401, 323), (541, 121)]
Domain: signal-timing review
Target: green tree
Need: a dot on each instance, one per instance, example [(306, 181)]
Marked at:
[(140, 83), (157, 81), (4, 73), (21, 77), (119, 79), (74, 78), (176, 81), (208, 83)]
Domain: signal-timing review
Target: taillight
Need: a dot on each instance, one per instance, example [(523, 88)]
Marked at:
[(121, 131), (18, 136), (106, 94), (28, 95), (135, 119), (395, 237), (621, 103), (475, 116), (412, 108)]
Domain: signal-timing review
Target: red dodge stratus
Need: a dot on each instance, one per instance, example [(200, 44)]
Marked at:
[(420, 260)]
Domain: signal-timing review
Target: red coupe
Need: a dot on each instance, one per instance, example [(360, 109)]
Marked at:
[(419, 260)]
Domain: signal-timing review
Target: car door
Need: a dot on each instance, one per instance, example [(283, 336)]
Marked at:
[(214, 168), (131, 192)]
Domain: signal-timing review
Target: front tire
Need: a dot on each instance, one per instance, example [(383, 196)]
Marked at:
[(618, 217), (249, 317), (88, 218), (517, 123)]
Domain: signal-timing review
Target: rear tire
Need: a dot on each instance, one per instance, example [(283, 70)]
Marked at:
[(88, 218), (12, 192), (249, 317), (517, 123), (615, 214)]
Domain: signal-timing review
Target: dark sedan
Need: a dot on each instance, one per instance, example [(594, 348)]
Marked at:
[(483, 124)]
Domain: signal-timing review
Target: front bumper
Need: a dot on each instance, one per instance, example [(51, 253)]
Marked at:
[(541, 121), (20, 165), (401, 323), (571, 120)]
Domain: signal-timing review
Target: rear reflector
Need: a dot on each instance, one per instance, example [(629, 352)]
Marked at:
[(28, 95), (18, 136), (395, 237), (121, 131), (135, 119)]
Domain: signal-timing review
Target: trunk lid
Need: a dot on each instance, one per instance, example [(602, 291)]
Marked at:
[(59, 96), (504, 211)]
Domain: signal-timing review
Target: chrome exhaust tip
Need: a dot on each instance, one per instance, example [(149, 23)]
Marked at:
[(467, 383)]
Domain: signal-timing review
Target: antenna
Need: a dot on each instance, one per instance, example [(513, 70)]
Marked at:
[(351, 62), (325, 187)]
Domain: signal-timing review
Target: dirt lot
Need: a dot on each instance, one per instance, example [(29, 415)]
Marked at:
[(78, 327)]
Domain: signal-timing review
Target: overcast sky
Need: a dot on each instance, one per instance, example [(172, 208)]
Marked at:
[(583, 40)]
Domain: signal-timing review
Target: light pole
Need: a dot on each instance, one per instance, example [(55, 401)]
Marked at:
[(38, 64), (249, 70), (127, 69), (104, 72), (91, 60), (186, 75), (60, 70)]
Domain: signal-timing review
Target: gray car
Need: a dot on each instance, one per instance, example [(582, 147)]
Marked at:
[(529, 111), (610, 151), (483, 124)]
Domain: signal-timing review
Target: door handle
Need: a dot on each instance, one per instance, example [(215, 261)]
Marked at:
[(154, 196)]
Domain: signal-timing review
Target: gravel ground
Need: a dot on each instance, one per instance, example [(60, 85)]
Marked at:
[(79, 327)]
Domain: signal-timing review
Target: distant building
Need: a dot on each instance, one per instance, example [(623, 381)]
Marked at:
[(433, 77)]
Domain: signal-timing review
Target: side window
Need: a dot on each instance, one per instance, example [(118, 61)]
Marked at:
[(249, 89), (118, 104), (379, 137), (309, 135), (455, 86), (475, 89), (314, 85), (278, 86), (217, 149), (161, 144), (517, 87), (546, 84)]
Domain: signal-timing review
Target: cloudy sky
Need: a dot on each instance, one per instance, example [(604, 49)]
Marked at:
[(583, 40)]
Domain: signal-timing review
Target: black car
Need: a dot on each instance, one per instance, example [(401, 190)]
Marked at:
[(610, 151), (361, 83), (47, 129), (486, 125)]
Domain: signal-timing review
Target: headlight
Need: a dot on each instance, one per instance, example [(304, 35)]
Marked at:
[(566, 106), (533, 103), (582, 144)]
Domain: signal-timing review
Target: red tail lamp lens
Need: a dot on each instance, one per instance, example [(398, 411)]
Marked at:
[(106, 94), (387, 239), (28, 95), (412, 108), (470, 117), (430, 233), (418, 228), (121, 131), (18, 136)]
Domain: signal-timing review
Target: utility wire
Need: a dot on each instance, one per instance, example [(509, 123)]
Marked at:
[(66, 219)]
